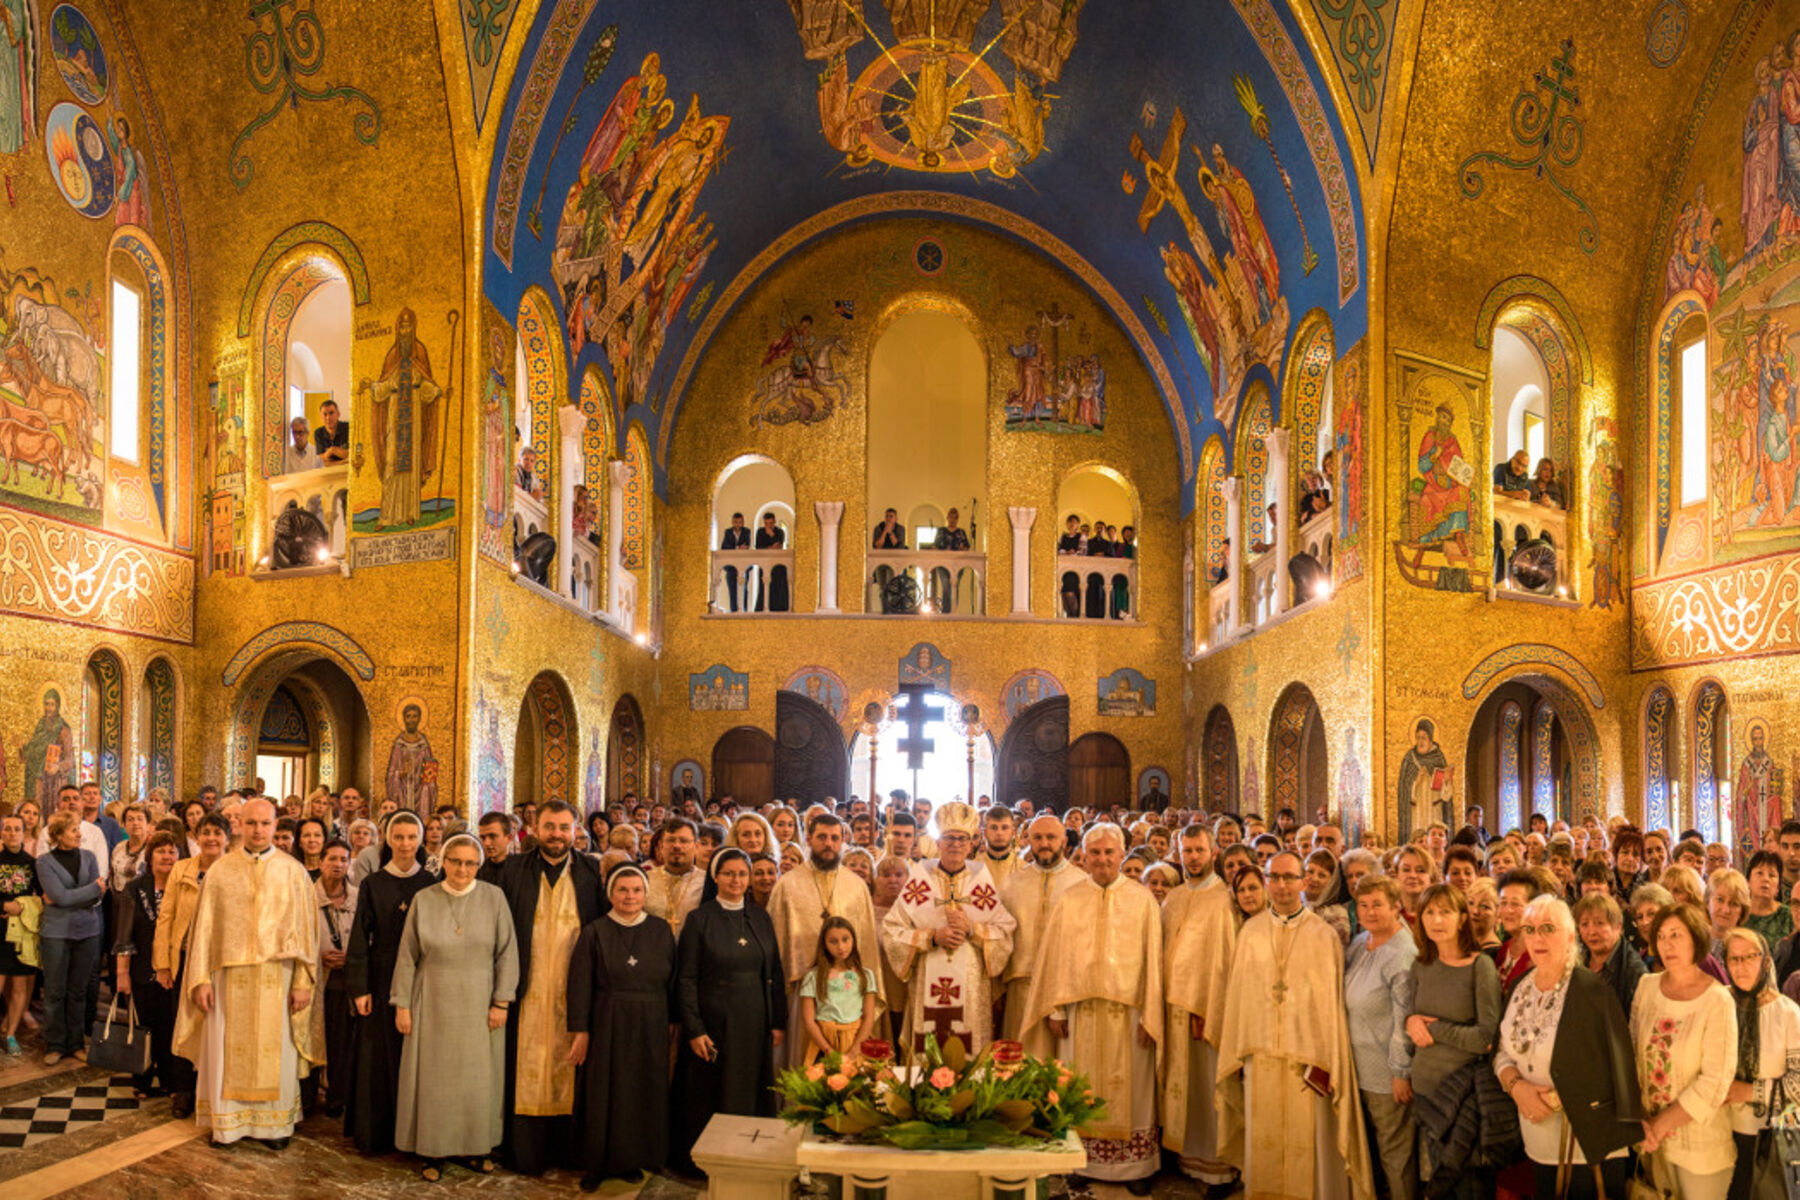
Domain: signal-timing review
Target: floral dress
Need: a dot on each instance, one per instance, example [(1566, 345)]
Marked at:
[(1673, 1039)]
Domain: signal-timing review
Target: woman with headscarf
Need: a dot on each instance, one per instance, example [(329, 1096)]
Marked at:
[(382, 902), (621, 1011), (454, 979), (732, 1001), (1768, 1052)]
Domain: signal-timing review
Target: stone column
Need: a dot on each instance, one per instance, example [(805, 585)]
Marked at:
[(1277, 494), (617, 473), (831, 515), (1234, 556), (570, 423), (1022, 521)]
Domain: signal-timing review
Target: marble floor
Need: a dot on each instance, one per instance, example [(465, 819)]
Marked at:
[(84, 1135)]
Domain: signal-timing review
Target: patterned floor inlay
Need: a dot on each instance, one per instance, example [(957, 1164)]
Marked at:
[(37, 1118)]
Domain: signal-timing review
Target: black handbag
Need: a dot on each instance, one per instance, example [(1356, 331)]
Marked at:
[(122, 1049), (1776, 1175)]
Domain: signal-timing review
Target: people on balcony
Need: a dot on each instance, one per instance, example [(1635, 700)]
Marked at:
[(1315, 493), (949, 537), (772, 537), (1259, 545), (1513, 481), (956, 541), (1071, 541), (1545, 488), (890, 534), (332, 439), (1222, 572), (300, 455), (736, 538)]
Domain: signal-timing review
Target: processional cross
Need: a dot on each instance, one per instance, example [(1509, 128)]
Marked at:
[(918, 709)]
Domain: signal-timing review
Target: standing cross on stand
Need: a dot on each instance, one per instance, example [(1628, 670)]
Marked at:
[(919, 707)]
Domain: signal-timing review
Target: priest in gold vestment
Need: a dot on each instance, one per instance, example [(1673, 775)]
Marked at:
[(245, 1019), (675, 886), (1098, 990), (1287, 1094), (948, 937), (1199, 935), (553, 893), (801, 901), (1028, 894), (999, 853)]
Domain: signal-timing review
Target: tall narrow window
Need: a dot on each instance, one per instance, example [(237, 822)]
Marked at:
[(126, 316), (1693, 422)]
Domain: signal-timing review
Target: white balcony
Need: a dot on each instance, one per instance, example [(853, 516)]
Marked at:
[(741, 581), (1218, 612), (529, 515), (325, 493), (1096, 588), (1533, 521), (1263, 588), (1315, 539), (585, 574), (625, 599), (937, 581)]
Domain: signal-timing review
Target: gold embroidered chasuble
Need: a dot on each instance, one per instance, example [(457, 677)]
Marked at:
[(950, 992), (254, 916), (1028, 894), (1199, 936), (672, 897), (545, 1080), (1101, 953), (798, 907), (1283, 1026)]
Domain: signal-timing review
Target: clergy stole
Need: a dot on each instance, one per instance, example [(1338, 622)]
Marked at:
[(256, 996), (1199, 935), (545, 1084), (949, 992), (1028, 893)]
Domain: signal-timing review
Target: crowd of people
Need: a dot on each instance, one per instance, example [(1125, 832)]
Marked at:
[(1553, 1010)]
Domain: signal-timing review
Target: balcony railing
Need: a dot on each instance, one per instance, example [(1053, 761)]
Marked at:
[(1315, 539), (1096, 588), (926, 581), (752, 581), (325, 493), (585, 574), (1520, 521), (1263, 585), (1218, 610)]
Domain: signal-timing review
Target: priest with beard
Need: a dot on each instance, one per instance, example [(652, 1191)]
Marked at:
[(553, 893), (1287, 1097), (675, 887), (1199, 935), (801, 901), (1028, 894), (998, 854), (1098, 990), (948, 936)]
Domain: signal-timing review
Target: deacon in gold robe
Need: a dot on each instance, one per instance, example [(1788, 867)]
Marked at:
[(1287, 1095), (1199, 935), (1028, 895), (948, 937), (676, 886), (998, 852), (801, 901), (1098, 989), (245, 1019), (553, 893)]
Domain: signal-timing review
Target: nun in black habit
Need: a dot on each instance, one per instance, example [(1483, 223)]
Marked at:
[(732, 1001), (622, 1015)]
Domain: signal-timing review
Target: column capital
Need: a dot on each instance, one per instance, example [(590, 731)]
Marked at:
[(618, 472), (571, 420), (829, 512), (1231, 488), (1278, 439), (1021, 516)]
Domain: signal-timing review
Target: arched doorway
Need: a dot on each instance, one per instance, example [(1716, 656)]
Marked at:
[(1298, 778), (1099, 772), (1531, 751), (625, 750), (1034, 757), (810, 758), (103, 724), (544, 750), (337, 750), (743, 766), (945, 771), (157, 703), (1219, 762)]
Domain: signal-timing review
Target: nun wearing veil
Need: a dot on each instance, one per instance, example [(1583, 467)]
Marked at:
[(455, 977), (621, 1013), (732, 1002)]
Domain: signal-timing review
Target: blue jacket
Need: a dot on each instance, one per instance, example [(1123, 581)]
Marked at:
[(71, 906)]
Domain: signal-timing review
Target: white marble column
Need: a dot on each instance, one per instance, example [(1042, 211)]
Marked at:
[(617, 473), (570, 423), (831, 515), (1022, 521), (1231, 489), (1277, 440)]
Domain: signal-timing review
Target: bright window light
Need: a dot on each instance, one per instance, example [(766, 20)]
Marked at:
[(126, 307), (1693, 422), (296, 403)]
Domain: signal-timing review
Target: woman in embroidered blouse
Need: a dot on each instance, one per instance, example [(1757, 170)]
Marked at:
[(1768, 1050), (1681, 1020), (1565, 1060)]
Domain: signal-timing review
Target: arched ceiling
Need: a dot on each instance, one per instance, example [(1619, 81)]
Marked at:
[(663, 151)]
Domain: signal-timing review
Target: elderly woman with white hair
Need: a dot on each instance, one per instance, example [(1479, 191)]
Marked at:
[(1565, 1059)]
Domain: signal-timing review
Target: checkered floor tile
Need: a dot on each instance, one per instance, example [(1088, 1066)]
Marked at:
[(56, 1113)]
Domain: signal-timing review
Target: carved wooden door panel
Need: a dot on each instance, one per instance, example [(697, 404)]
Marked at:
[(811, 760), (1034, 761)]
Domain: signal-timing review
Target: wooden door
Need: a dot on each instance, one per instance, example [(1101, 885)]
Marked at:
[(1033, 763), (811, 760), (1099, 772), (743, 766)]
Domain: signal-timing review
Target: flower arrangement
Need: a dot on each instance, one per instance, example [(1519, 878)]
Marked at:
[(943, 1099)]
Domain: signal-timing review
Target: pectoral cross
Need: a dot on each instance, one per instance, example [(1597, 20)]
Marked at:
[(743, 942), (632, 961), (1279, 992)]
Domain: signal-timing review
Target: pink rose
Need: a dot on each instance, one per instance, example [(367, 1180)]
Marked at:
[(837, 1083), (943, 1077), (815, 1072), (1062, 1078), (1052, 1097)]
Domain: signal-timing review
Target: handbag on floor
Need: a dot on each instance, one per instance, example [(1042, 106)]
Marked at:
[(1776, 1175), (120, 1047)]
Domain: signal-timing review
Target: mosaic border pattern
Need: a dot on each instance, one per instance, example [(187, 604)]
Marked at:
[(1532, 654)]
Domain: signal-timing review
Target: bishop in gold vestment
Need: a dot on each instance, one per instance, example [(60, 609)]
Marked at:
[(245, 1019), (1098, 988), (801, 901), (1287, 1095), (1028, 894), (1199, 936)]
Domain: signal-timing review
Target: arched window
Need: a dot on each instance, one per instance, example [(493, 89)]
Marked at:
[(1711, 757), (1097, 580), (103, 724), (1659, 809), (1307, 409), (1681, 324), (1533, 394), (148, 431), (126, 350), (752, 577), (1258, 536), (1512, 718), (156, 728)]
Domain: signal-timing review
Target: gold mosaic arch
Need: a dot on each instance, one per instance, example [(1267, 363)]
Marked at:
[(917, 203)]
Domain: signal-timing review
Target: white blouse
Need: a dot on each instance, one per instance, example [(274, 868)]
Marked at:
[(1778, 1055), (1686, 1050)]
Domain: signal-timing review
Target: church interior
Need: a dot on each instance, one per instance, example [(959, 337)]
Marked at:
[(375, 404)]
